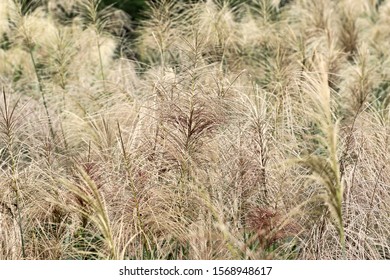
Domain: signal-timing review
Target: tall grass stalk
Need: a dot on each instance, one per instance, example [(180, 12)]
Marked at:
[(134, 191), (24, 8), (97, 19), (7, 129), (42, 92), (89, 193), (325, 163)]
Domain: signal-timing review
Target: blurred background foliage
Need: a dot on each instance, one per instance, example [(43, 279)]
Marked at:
[(135, 8)]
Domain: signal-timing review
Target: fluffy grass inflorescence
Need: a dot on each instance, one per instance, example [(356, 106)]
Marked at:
[(216, 130)]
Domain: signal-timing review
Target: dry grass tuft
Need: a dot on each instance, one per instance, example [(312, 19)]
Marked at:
[(217, 130)]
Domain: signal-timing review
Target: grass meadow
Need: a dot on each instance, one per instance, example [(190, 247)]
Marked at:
[(208, 130)]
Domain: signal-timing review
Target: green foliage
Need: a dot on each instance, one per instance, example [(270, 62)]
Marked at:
[(87, 245), (5, 43), (135, 8), (382, 95)]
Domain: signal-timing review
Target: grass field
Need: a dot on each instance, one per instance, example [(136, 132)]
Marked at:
[(209, 130)]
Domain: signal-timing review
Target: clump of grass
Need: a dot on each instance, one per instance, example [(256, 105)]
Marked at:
[(158, 35), (183, 151), (97, 18), (269, 226), (9, 124), (20, 21), (92, 208), (324, 163)]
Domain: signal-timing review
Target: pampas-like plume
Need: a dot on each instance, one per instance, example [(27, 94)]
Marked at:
[(325, 164)]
